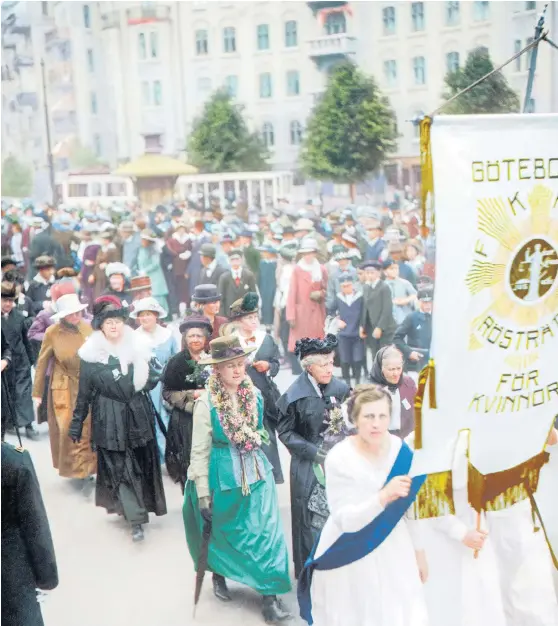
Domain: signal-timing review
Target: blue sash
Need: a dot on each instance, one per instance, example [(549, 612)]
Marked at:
[(351, 547)]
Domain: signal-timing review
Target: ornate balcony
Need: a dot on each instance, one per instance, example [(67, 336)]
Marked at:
[(339, 45)]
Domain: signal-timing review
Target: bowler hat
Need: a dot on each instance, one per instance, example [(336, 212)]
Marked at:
[(206, 293), (208, 250)]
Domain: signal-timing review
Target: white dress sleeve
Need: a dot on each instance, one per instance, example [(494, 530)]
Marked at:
[(351, 509)]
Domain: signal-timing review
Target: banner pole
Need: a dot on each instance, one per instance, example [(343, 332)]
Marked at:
[(527, 108)]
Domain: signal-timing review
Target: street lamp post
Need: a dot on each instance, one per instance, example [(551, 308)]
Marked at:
[(49, 145)]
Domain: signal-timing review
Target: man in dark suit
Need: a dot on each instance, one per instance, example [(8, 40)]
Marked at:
[(414, 334), (235, 283), (44, 244), (377, 324), (28, 559), (211, 271)]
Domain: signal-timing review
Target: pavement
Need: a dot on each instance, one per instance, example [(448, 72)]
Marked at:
[(106, 580)]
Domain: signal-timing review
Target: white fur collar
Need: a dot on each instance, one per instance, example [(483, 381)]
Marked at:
[(181, 239), (39, 279), (157, 337), (132, 349)]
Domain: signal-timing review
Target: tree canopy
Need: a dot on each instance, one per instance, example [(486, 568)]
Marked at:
[(17, 178), (351, 130), (81, 156), (221, 141), (493, 95)]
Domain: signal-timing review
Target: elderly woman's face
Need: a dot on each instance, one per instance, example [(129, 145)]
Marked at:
[(195, 340), (392, 369), (322, 369), (112, 328), (232, 373)]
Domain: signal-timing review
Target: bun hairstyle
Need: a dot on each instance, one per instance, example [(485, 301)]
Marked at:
[(363, 394)]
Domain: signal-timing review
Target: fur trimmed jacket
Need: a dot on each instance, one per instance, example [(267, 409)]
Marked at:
[(114, 382)]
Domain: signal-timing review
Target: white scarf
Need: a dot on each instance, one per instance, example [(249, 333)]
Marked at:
[(314, 269), (157, 337), (182, 239)]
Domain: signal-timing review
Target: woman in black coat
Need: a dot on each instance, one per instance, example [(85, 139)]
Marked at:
[(264, 366), (306, 411), (8, 415), (182, 381), (117, 371), (28, 559)]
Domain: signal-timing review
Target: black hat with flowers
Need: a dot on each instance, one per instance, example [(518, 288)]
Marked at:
[(107, 307), (245, 306), (307, 346)]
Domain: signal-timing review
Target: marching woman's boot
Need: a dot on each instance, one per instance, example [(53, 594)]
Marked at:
[(137, 533), (274, 611), (220, 588)]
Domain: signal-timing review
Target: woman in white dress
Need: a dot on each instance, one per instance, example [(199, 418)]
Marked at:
[(368, 567)]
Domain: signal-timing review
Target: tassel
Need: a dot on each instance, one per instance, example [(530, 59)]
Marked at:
[(419, 396), (432, 384), (244, 480), (256, 468), (427, 177)]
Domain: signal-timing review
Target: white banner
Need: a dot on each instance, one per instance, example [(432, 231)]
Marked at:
[(495, 323)]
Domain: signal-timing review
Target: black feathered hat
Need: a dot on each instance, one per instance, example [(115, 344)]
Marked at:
[(106, 307), (306, 346), (245, 306)]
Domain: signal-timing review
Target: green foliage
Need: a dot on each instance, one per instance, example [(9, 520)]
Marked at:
[(221, 141), (17, 178), (351, 130), (493, 95), (82, 156)]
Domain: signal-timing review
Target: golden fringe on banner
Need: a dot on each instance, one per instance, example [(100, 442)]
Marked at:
[(500, 490), (427, 374), (427, 178), (435, 497)]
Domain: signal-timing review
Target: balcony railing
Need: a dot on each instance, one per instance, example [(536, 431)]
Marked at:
[(145, 14), (332, 45)]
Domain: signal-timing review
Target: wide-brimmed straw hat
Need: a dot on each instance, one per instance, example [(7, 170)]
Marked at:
[(147, 304), (225, 349), (67, 305)]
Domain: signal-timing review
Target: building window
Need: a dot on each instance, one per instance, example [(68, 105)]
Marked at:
[(145, 93), (335, 23), (86, 16), (154, 45), (291, 34), (142, 46), (530, 6), (202, 46), (293, 83), (452, 61), (481, 10), (93, 103), (157, 93), (231, 85), (90, 60), (417, 16), (452, 13), (388, 15), (97, 145), (266, 89), (419, 70), (517, 49), (229, 39), (296, 133), (390, 72), (268, 135), (263, 36)]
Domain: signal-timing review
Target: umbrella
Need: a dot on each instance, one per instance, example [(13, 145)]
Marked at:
[(202, 562)]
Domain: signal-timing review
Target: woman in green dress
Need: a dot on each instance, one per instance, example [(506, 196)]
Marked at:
[(231, 486)]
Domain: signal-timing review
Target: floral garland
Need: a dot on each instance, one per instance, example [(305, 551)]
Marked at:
[(240, 426)]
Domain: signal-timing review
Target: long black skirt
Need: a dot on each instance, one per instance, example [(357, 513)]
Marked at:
[(179, 445), (129, 483)]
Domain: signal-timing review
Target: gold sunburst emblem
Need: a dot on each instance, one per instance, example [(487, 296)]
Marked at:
[(522, 274)]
